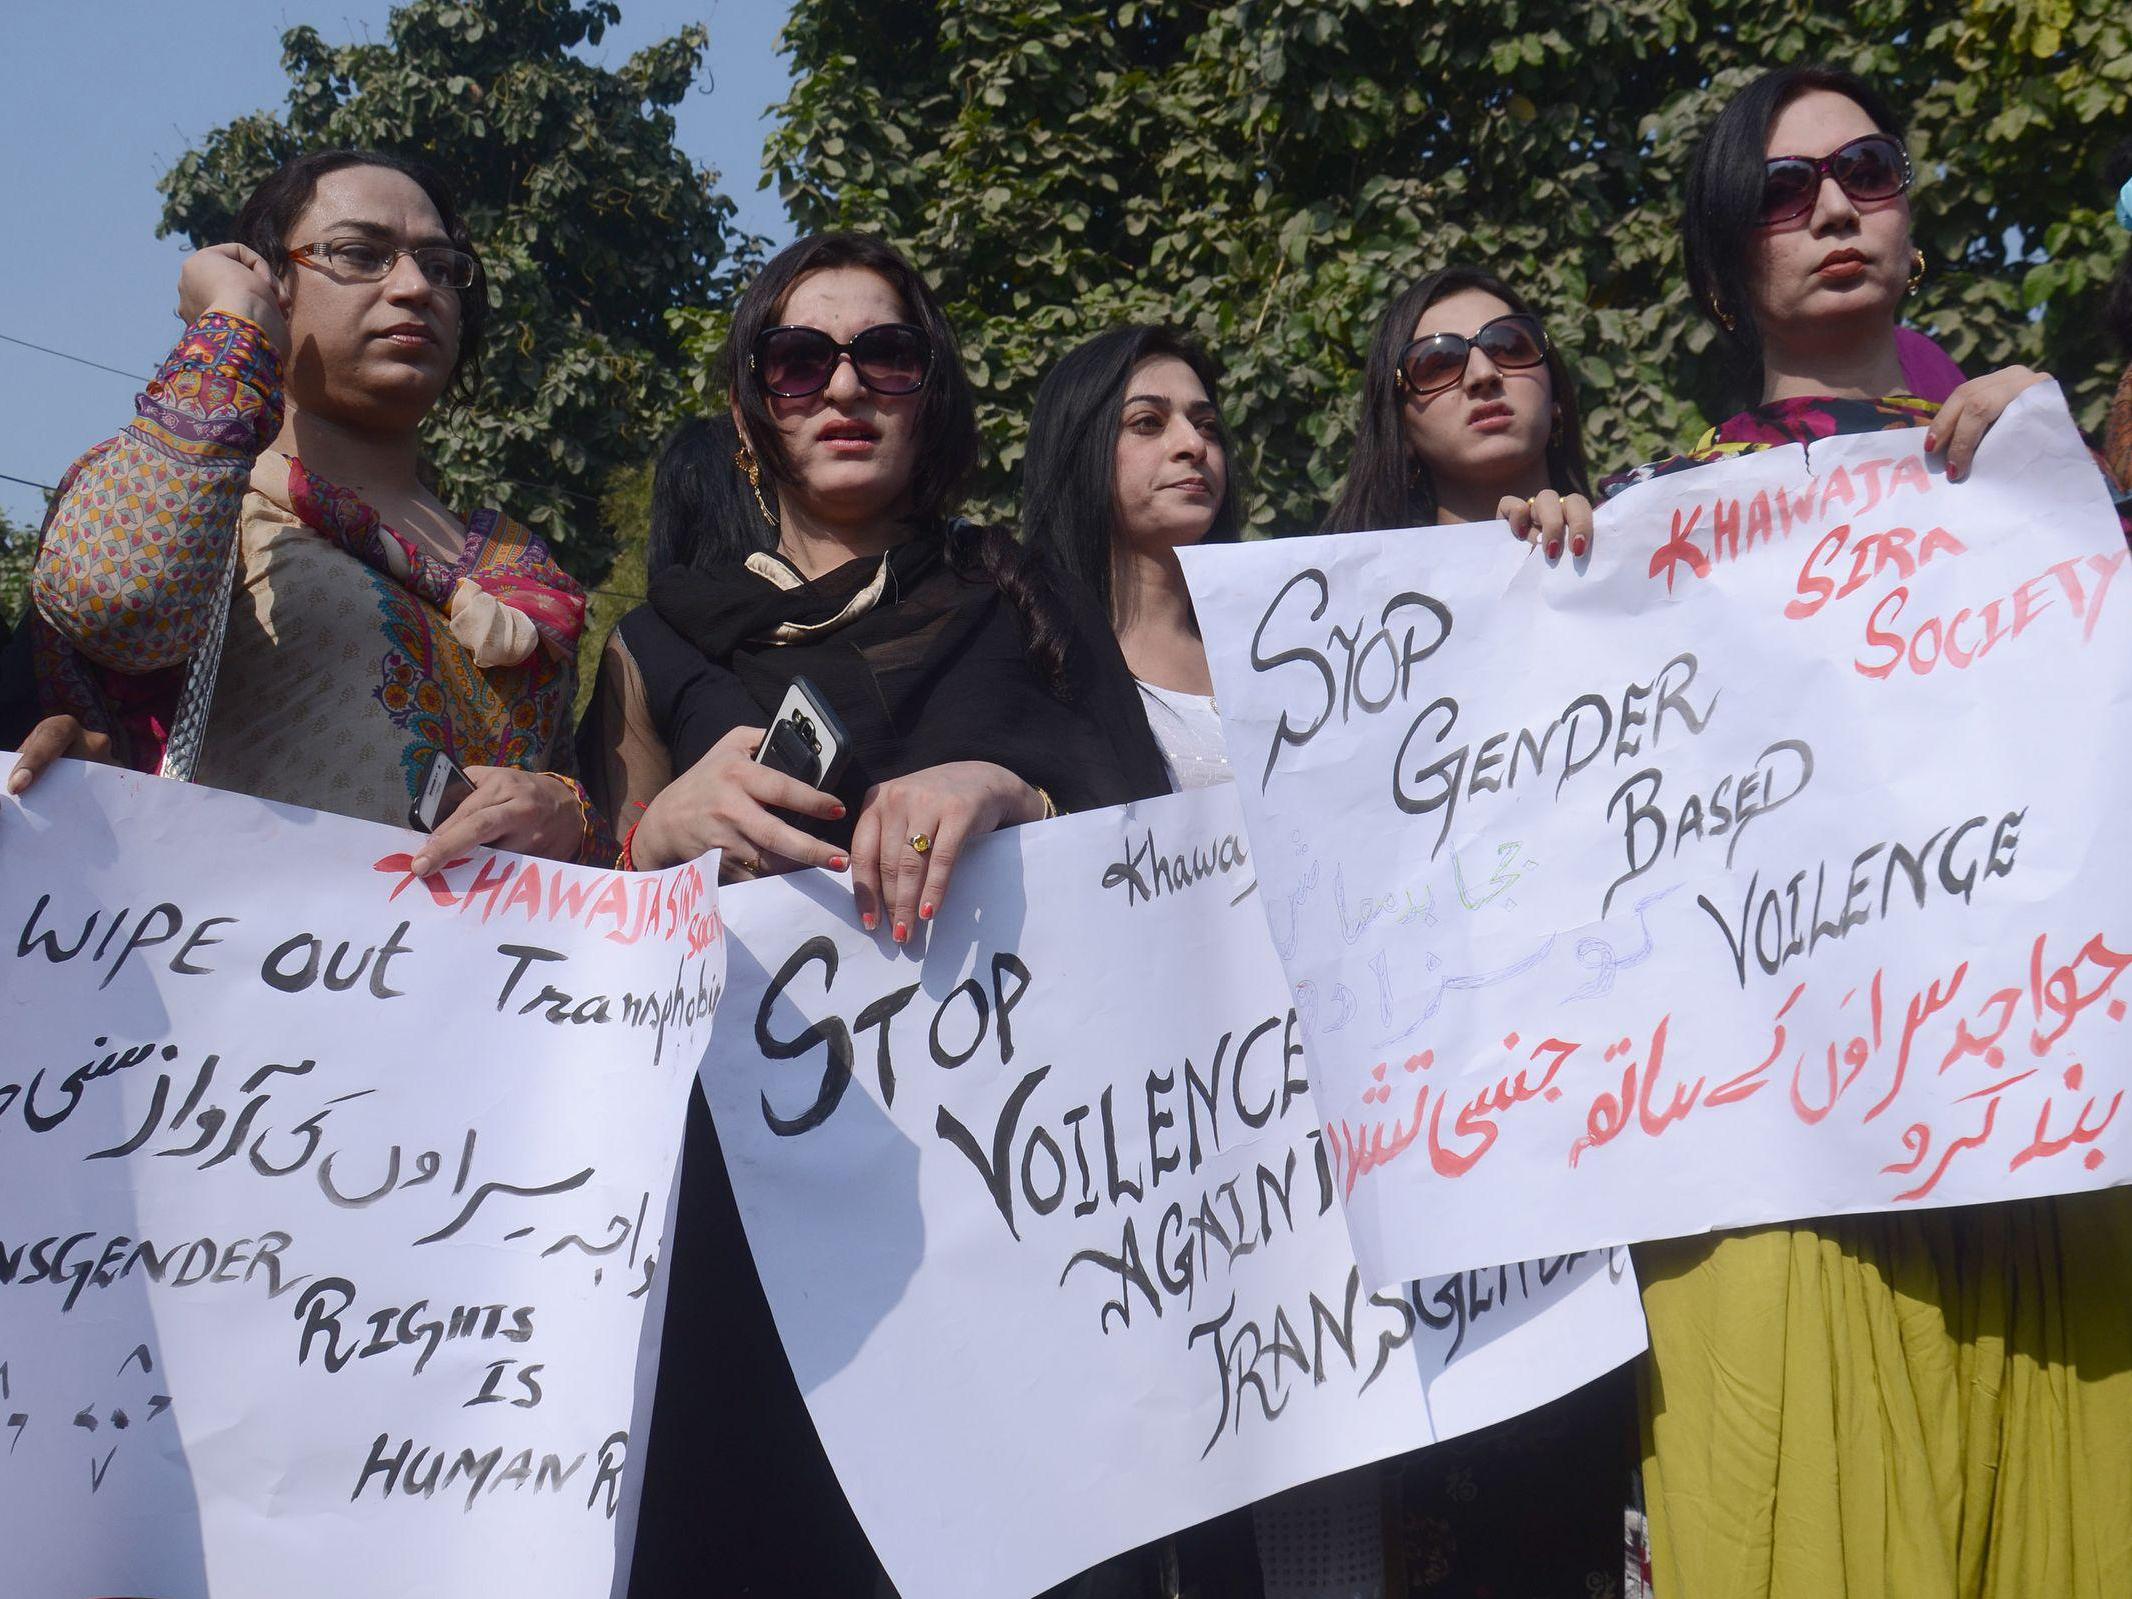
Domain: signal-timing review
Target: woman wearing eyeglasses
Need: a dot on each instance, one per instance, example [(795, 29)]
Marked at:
[(1468, 414), (1930, 1403), (260, 534), (814, 539)]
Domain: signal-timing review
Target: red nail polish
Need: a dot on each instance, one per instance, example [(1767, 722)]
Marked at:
[(902, 932), (1577, 548), (867, 921), (837, 815), (1931, 444), (1554, 550), (837, 863), (925, 913)]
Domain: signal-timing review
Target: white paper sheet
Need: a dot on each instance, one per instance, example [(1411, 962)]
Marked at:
[(1773, 867), (1042, 1213), (329, 1198)]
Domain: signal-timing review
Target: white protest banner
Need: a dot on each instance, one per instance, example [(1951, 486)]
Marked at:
[(1775, 867), (329, 1197), (1044, 1215)]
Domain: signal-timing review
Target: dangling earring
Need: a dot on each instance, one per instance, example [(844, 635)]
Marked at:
[(1727, 321), (1917, 271), (744, 458), (1554, 432)]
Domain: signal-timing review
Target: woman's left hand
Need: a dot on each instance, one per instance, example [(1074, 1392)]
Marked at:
[(946, 807), (1549, 521), (1970, 411), (526, 812)]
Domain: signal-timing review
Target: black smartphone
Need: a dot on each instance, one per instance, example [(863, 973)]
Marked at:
[(444, 788), (806, 740)]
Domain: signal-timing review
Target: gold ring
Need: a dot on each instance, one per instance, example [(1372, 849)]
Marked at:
[(921, 843)]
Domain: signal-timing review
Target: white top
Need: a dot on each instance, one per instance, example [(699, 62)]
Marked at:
[(1188, 728)]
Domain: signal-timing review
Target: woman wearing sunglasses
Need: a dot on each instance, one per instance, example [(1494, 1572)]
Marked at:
[(976, 692), (251, 584), (1467, 415), (818, 543), (1934, 1402), (1802, 260)]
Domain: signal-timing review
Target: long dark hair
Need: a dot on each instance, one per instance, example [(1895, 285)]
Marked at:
[(1724, 198), (2117, 309), (1069, 475), (947, 409), (271, 211), (1385, 485), (706, 513), (692, 491)]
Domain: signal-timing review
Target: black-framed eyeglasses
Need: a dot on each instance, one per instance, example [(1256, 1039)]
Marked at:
[(793, 362), (1875, 167), (441, 266), (1438, 360)]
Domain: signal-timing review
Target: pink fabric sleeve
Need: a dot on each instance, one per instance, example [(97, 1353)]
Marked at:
[(1929, 372)]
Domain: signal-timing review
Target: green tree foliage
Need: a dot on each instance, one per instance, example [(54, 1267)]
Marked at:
[(1268, 173), (18, 554), (591, 225)]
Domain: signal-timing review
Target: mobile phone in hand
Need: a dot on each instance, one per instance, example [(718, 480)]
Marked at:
[(444, 788), (806, 740)]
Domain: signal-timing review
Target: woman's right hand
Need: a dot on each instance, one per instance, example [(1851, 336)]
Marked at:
[(234, 280), (55, 738), (724, 802), (1549, 520)]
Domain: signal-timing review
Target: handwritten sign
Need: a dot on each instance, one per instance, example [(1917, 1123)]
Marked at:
[(1774, 867), (1049, 1224), (330, 1198)]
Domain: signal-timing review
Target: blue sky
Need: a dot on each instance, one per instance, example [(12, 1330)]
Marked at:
[(99, 97)]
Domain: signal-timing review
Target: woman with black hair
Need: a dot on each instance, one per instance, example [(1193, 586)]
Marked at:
[(1802, 260), (252, 585), (977, 691), (1468, 414), (1127, 462), (1923, 1403), (810, 533)]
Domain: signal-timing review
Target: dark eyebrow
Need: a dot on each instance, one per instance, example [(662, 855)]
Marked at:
[(378, 230), (1148, 399)]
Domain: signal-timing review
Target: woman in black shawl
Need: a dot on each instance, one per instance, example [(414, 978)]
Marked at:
[(810, 535), (978, 689)]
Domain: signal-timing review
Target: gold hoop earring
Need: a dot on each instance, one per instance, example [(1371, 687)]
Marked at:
[(744, 458), (1917, 271)]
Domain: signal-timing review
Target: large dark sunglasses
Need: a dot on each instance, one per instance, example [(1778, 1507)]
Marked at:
[(1875, 167), (1438, 360), (889, 358)]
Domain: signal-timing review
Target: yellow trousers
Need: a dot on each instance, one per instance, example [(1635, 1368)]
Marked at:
[(1926, 1405)]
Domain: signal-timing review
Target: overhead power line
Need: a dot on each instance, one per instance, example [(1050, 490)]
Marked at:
[(78, 360), (30, 483)]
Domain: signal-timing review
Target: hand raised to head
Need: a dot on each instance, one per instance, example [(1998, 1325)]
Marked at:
[(233, 279)]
